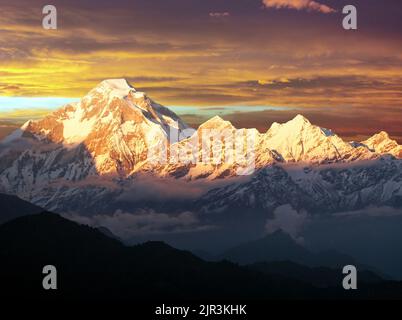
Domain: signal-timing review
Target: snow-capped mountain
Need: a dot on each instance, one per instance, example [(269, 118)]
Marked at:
[(199, 157), (299, 140), (86, 154), (294, 141), (382, 143), (108, 132)]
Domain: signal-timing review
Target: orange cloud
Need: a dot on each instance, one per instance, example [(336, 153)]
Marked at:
[(298, 5)]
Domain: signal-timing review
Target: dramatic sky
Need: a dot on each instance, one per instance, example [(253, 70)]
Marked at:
[(270, 59)]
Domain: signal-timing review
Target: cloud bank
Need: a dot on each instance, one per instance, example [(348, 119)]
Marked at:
[(143, 223), (308, 5), (152, 188)]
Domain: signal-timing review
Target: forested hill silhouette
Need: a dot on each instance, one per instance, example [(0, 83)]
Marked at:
[(13, 207), (93, 266)]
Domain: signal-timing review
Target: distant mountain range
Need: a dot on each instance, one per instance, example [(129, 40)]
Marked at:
[(279, 246), (94, 266), (86, 155)]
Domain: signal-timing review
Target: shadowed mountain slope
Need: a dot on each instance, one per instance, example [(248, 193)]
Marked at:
[(13, 207)]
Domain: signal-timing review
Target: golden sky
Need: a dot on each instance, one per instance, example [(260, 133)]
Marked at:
[(288, 53)]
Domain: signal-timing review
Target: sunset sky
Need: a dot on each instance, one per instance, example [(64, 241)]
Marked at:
[(270, 59)]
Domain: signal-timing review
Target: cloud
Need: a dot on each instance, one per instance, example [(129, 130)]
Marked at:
[(219, 14), (184, 55), (372, 211), (144, 222), (308, 5), (298, 224), (288, 220), (150, 188)]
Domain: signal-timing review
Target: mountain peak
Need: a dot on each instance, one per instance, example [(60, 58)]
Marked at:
[(114, 124), (382, 143), (383, 135), (217, 123), (297, 122), (115, 88), (300, 140), (217, 119), (116, 84), (300, 119)]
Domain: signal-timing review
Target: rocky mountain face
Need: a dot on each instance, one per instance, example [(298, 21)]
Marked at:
[(321, 189), (85, 155)]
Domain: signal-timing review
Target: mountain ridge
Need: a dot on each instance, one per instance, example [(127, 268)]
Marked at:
[(96, 267), (117, 94), (281, 247), (91, 151)]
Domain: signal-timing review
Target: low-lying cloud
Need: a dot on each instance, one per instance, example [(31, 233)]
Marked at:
[(372, 212), (142, 223), (288, 220), (150, 188), (297, 223)]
